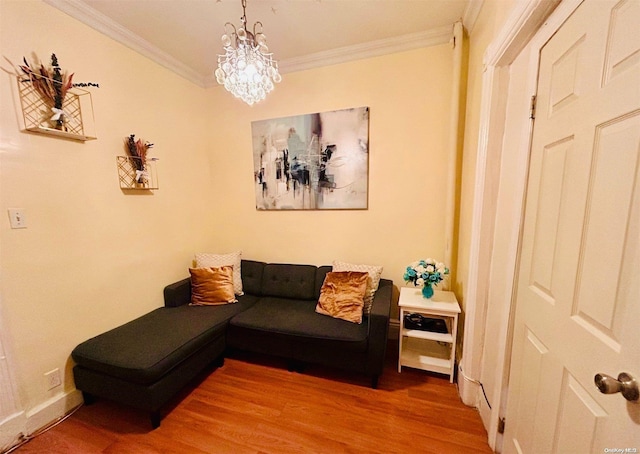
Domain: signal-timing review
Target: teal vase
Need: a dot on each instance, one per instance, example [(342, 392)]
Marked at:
[(427, 291)]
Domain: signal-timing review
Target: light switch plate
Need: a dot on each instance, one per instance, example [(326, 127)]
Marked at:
[(17, 218)]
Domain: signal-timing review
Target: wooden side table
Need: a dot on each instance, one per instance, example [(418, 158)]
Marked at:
[(428, 350)]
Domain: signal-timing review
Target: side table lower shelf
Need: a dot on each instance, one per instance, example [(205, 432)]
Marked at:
[(426, 355)]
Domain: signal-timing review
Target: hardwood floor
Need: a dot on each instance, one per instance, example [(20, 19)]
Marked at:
[(253, 404)]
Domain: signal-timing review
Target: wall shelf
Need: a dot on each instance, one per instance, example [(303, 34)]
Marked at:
[(39, 117), (130, 176)]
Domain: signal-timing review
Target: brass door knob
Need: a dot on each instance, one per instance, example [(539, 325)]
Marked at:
[(625, 384)]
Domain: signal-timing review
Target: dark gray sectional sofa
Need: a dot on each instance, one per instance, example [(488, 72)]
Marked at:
[(145, 362)]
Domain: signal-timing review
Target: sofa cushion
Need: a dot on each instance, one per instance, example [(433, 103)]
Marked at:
[(300, 319), (321, 274), (212, 286), (252, 276), (289, 281), (150, 346)]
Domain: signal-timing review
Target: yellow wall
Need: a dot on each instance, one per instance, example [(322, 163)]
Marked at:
[(408, 95), (93, 257)]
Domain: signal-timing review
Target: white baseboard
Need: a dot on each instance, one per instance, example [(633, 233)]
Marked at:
[(485, 412), (12, 429), (468, 389), (22, 424), (52, 409)]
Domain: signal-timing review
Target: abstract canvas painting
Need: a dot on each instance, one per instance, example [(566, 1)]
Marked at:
[(315, 161)]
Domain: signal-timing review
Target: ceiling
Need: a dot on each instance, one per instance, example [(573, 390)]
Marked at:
[(184, 35)]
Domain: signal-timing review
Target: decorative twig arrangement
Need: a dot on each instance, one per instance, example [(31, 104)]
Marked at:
[(138, 149), (52, 85)]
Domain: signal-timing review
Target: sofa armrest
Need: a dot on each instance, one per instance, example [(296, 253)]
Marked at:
[(178, 293), (379, 327)]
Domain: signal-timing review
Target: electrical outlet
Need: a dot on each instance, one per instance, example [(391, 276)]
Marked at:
[(53, 378), (17, 218)]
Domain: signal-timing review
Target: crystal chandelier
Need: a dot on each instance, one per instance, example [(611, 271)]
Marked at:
[(247, 69)]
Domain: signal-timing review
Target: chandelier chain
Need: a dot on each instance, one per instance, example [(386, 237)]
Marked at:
[(247, 68), (244, 14)]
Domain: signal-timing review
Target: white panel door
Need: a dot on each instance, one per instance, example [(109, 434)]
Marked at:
[(578, 293)]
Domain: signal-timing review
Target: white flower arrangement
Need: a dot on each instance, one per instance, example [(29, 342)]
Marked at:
[(425, 272)]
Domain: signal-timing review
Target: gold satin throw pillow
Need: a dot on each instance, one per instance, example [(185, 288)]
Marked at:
[(342, 295), (212, 286)]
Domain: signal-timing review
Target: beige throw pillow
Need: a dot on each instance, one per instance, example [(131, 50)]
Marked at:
[(207, 260), (212, 286), (375, 272), (342, 295)]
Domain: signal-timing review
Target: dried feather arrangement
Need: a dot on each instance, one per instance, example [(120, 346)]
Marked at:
[(52, 85), (138, 149)]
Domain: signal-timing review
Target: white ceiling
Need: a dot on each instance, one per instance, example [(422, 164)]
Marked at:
[(184, 35)]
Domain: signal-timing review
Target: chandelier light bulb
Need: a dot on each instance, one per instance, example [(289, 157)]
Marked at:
[(247, 68)]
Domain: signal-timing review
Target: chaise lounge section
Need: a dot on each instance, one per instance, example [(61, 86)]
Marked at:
[(145, 362)]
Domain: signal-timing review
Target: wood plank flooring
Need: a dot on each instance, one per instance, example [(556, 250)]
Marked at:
[(254, 405)]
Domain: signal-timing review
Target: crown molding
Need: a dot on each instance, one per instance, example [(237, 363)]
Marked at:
[(103, 24), (370, 49), (471, 13)]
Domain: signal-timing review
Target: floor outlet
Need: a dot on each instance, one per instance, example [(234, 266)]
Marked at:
[(53, 379)]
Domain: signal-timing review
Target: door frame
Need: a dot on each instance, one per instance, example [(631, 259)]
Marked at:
[(531, 22), (13, 420)]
